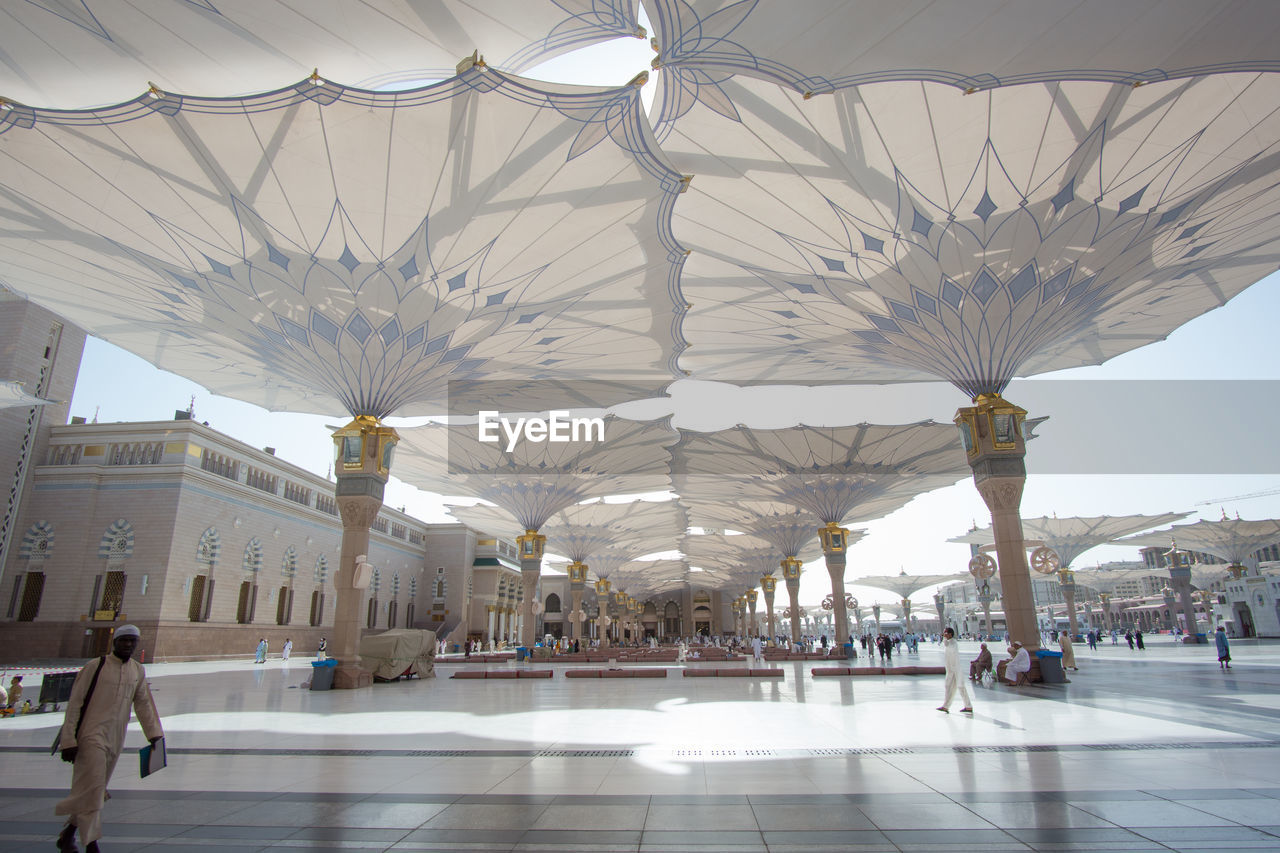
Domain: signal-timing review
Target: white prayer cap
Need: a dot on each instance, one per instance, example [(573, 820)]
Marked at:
[(128, 631)]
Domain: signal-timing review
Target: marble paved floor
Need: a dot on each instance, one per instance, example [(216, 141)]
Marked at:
[(1142, 751)]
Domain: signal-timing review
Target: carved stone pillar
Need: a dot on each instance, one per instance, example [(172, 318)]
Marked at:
[(769, 585), (1180, 574), (362, 465), (577, 585), (752, 595), (992, 433), (906, 615), (602, 620), (1067, 579), (358, 513), (940, 605), (791, 575), (531, 545)]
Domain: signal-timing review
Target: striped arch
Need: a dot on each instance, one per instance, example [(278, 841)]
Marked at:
[(322, 569), (289, 563), (37, 542), (208, 548), (117, 542), (253, 556)]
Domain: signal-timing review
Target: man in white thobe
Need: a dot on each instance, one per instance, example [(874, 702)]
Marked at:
[(101, 724), (951, 648)]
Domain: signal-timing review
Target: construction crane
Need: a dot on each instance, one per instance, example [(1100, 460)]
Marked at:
[(1249, 496)]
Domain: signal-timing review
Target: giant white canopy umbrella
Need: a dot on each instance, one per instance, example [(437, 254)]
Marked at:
[(789, 530), (533, 480), (904, 229), (904, 586), (322, 248), (73, 55), (1070, 537), (1235, 540), (744, 556), (1066, 539), (583, 530), (840, 474)]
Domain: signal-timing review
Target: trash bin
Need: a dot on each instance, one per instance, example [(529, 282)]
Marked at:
[(56, 688), (850, 653), (521, 653), (322, 674), (1051, 667)]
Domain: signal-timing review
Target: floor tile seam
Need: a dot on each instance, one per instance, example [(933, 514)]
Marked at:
[(950, 800), (1188, 804), (1130, 826), (1253, 741)]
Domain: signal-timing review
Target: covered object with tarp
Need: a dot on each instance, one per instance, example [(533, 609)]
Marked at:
[(399, 653)]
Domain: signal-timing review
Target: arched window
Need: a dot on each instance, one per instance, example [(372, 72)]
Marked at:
[(553, 603)]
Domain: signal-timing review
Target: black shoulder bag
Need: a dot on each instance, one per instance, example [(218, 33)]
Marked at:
[(57, 737)]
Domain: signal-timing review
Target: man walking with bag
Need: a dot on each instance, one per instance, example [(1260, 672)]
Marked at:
[(93, 732)]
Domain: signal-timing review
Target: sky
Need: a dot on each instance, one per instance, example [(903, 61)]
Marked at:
[(1212, 440)]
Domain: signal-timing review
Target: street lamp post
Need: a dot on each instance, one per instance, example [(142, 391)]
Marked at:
[(982, 567)]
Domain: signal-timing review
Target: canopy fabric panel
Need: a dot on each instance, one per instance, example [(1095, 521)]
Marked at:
[(536, 479), (1071, 537), (585, 529), (652, 577), (824, 45), (904, 585), (906, 230), (12, 395), (791, 531), (321, 248), (70, 55), (840, 474)]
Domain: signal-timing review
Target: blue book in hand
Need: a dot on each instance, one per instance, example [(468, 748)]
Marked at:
[(152, 758)]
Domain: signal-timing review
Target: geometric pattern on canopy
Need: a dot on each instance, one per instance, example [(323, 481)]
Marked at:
[(854, 473), (324, 248), (71, 55), (904, 230), (537, 479), (1232, 539), (823, 45), (1071, 537)]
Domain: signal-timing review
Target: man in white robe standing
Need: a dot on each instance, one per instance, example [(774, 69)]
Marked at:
[(93, 734), (951, 648)]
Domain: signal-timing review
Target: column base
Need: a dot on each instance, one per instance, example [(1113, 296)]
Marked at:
[(351, 677)]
